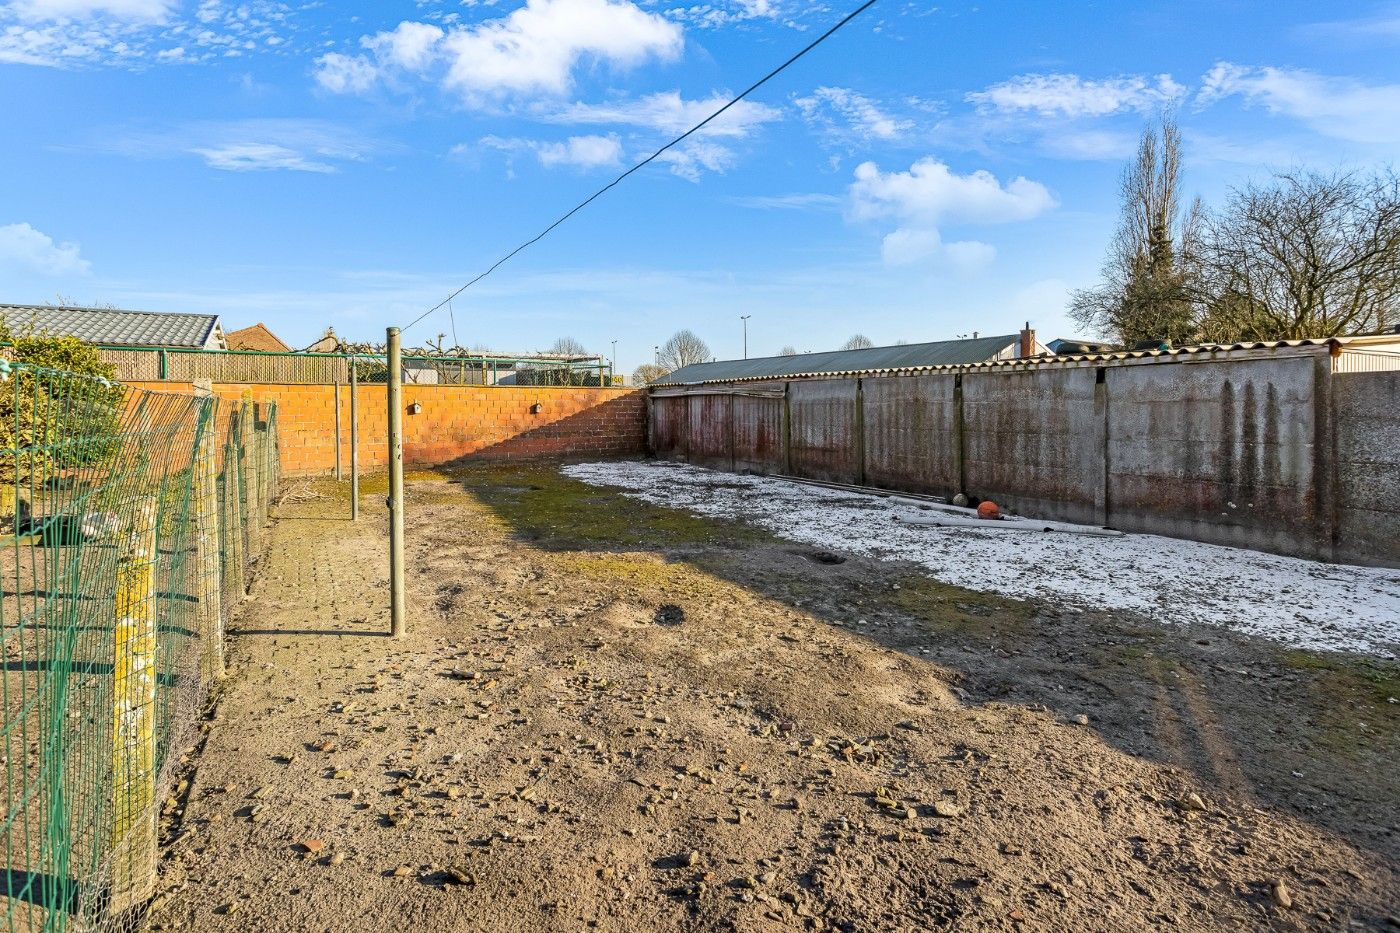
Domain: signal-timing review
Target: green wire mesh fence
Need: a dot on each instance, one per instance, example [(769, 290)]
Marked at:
[(129, 521)]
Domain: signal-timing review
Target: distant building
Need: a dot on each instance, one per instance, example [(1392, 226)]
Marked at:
[(869, 360), (113, 327), (327, 343), (257, 337), (1073, 346)]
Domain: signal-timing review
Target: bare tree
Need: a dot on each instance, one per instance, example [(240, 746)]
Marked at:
[(568, 346), (682, 349), (1309, 255), (648, 373), (1145, 293), (858, 342), (788, 350)]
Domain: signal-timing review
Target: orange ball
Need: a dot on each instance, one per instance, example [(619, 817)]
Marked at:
[(988, 509)]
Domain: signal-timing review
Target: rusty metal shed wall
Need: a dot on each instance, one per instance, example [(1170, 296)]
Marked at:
[(823, 430), (707, 439), (1219, 452), (759, 436), (1029, 442), (668, 428), (911, 433), (1367, 412)]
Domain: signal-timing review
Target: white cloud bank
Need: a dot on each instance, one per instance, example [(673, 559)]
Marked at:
[(859, 114), (532, 50), (931, 195), (584, 152), (1340, 107), (23, 247), (1070, 95), (154, 11)]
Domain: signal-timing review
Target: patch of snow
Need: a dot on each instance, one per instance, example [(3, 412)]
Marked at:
[(1300, 603)]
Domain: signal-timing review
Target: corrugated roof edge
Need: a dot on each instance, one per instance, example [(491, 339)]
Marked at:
[(1035, 362)]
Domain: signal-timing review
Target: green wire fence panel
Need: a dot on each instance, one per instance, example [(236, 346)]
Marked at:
[(125, 520), (134, 364)]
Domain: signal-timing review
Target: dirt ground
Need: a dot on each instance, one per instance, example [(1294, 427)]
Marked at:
[(617, 716)]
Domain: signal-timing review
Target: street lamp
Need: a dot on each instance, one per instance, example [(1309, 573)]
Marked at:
[(614, 357), (745, 319)]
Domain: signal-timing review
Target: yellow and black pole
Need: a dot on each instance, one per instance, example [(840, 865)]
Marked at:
[(396, 596)]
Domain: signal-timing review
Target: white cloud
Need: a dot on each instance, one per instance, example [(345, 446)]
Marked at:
[(535, 49), (342, 74), (791, 202), (930, 195), (46, 10), (910, 246), (24, 247), (727, 12), (695, 156), (860, 114), (1072, 96), (582, 151), (265, 144), (261, 157), (670, 113), (138, 33), (577, 151), (1340, 107), (411, 46)]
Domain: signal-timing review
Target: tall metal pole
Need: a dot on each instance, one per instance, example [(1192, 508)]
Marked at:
[(745, 319), (396, 597), (354, 442)]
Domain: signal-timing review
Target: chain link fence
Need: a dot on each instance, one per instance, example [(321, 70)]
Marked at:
[(128, 520)]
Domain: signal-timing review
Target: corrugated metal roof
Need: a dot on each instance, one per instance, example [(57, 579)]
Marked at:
[(1178, 354), (838, 362), (105, 326)]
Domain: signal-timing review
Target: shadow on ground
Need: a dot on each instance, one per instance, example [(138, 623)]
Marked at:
[(1311, 734)]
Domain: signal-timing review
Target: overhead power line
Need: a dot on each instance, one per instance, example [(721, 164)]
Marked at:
[(648, 160)]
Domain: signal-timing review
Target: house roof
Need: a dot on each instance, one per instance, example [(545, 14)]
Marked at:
[(871, 359), (257, 337), (111, 326)]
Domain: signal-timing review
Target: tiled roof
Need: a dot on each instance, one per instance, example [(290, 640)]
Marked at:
[(120, 328), (871, 359), (257, 337)]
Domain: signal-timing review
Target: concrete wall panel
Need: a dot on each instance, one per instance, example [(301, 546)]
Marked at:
[(1030, 442), (1368, 467), (1218, 451), (824, 445), (911, 433)]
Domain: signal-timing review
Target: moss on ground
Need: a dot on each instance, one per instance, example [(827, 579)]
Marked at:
[(947, 608), (1353, 680), (554, 511)]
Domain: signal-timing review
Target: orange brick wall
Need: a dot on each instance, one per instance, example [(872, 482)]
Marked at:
[(455, 422)]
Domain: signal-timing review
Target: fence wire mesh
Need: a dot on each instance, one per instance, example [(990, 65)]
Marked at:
[(127, 520), (155, 365)]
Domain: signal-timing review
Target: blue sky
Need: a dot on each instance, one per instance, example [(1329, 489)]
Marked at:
[(932, 170)]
